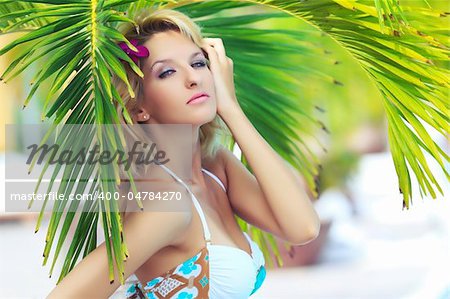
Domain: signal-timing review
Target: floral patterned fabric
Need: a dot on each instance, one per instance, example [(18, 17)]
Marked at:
[(188, 280)]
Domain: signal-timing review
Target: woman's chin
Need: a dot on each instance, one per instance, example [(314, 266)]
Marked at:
[(197, 119), (204, 119)]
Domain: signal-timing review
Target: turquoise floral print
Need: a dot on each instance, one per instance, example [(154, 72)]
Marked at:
[(153, 282), (185, 295), (189, 266)]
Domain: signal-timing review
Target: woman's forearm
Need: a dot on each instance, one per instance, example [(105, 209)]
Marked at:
[(282, 187), (89, 279)]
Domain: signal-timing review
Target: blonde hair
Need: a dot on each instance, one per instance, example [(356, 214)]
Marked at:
[(151, 21)]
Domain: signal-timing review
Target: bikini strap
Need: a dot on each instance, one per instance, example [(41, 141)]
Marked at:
[(215, 178), (206, 232)]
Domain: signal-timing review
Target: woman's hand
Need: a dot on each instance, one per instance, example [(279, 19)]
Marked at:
[(221, 67)]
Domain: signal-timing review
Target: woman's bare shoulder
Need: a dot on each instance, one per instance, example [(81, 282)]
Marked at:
[(144, 233), (216, 164)]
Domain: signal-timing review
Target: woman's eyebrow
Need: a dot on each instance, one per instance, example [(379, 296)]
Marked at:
[(169, 59)]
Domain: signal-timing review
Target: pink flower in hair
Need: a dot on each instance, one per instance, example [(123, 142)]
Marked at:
[(142, 51)]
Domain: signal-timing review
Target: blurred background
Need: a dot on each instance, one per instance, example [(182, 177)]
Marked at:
[(368, 247)]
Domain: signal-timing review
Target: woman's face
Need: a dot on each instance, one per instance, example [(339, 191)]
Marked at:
[(175, 71)]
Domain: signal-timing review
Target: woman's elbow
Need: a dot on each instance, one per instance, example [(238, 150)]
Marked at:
[(305, 234)]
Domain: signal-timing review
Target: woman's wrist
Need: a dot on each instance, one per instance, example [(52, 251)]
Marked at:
[(231, 110)]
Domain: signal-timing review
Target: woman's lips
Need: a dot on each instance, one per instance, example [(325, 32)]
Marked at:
[(198, 100)]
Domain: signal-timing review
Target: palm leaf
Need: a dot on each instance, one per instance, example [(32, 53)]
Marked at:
[(67, 37), (12, 13), (400, 51), (407, 66)]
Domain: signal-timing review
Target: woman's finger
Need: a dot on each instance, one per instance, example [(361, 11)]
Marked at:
[(217, 44), (212, 54)]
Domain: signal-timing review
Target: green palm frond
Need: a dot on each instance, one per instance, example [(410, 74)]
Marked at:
[(402, 54), (409, 68), (80, 60), (14, 16)]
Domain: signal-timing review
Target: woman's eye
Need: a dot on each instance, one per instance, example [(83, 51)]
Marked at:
[(166, 73), (201, 63)]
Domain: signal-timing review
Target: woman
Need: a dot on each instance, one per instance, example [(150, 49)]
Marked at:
[(199, 253)]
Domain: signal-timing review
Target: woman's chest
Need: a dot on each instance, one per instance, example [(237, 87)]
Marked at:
[(221, 223)]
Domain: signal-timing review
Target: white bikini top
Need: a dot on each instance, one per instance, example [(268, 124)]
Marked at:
[(233, 272)]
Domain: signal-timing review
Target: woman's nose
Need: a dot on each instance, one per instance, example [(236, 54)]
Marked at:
[(193, 77)]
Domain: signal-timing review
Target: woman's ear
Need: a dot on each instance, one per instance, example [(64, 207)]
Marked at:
[(138, 113), (142, 115)]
